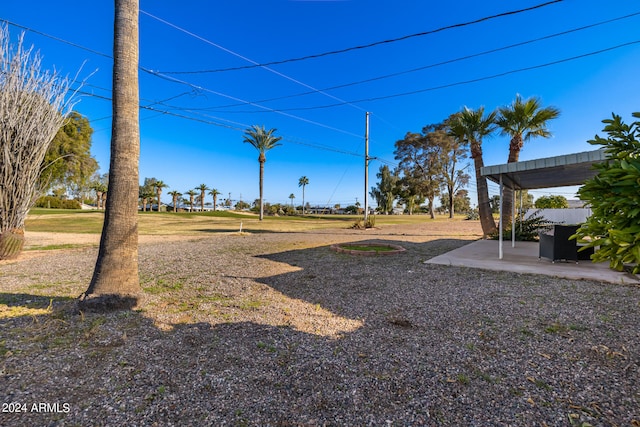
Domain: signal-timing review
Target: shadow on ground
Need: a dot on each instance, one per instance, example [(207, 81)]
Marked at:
[(437, 346)]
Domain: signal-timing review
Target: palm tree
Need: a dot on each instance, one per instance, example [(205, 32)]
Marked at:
[(214, 192), (203, 189), (175, 194), (146, 193), (263, 140), (470, 126), (192, 194), (100, 188), (292, 196), (159, 185), (115, 283), (522, 121), (302, 182)]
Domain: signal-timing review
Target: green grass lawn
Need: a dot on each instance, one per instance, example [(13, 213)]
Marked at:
[(196, 223)]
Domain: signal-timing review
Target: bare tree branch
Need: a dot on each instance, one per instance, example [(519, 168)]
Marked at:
[(33, 106)]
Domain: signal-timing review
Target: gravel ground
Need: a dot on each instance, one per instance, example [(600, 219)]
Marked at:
[(276, 329)]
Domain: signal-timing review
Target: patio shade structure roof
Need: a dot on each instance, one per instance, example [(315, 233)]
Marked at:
[(548, 172)]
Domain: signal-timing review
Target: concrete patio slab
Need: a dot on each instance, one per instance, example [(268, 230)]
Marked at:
[(523, 258)]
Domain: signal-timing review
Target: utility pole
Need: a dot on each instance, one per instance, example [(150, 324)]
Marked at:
[(366, 167)]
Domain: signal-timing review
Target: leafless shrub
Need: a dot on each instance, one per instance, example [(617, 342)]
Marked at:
[(33, 106)]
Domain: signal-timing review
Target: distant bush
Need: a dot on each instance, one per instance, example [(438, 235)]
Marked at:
[(473, 215), (57, 203), (363, 224), (351, 209), (552, 202)]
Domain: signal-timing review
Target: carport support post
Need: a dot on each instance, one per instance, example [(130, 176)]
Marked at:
[(513, 219), (500, 222)]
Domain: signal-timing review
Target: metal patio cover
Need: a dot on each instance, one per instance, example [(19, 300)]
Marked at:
[(549, 172)]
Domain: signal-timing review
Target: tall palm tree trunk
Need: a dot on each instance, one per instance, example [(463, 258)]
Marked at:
[(115, 282), (487, 222), (451, 200), (508, 201), (261, 160)]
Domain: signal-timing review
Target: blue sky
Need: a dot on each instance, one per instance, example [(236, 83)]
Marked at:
[(192, 123)]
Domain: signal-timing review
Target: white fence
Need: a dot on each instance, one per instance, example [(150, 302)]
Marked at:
[(562, 216)]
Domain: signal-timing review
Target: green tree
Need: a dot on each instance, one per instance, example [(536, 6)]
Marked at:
[(461, 201), (406, 194), (495, 203), (68, 162), (614, 224), (147, 192), (99, 184), (471, 127), (422, 162), (303, 182), (159, 185), (191, 194), (522, 121), (203, 190), (351, 210), (453, 154), (214, 193), (262, 140), (115, 283), (240, 205), (410, 193), (551, 202), (292, 196), (175, 194), (385, 191), (527, 201)]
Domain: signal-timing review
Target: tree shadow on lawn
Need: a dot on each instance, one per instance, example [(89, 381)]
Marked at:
[(334, 279), (120, 368)]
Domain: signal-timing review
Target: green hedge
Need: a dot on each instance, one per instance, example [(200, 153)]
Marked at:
[(57, 203)]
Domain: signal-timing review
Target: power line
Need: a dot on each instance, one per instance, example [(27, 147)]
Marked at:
[(465, 82), (244, 58), (199, 88), (369, 45), (95, 52), (235, 128), (438, 64)]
